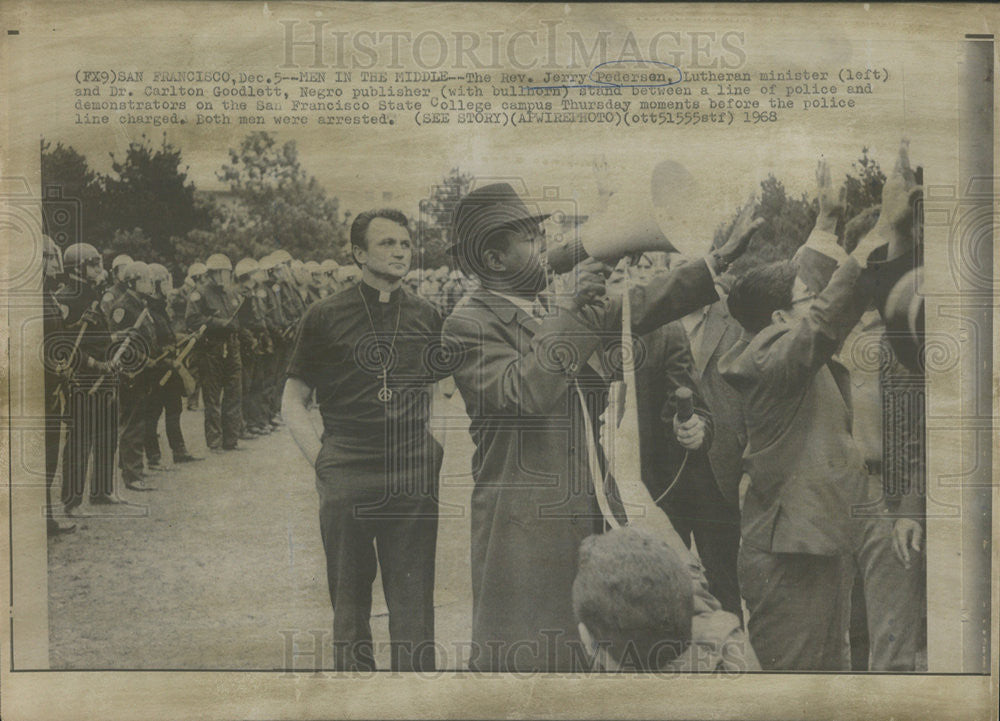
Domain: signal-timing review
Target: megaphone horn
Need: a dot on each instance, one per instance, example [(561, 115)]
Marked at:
[(623, 229)]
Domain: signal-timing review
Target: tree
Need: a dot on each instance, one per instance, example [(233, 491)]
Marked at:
[(864, 186), (789, 221), (433, 226), (71, 194), (280, 204), (134, 243), (148, 189)]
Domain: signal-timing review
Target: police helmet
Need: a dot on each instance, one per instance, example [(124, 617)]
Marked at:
[(137, 270), (245, 267), (218, 261), (79, 255)]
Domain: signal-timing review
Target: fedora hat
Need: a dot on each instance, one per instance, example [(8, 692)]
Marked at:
[(484, 211)]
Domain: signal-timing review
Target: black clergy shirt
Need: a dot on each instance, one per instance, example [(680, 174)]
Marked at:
[(339, 351)]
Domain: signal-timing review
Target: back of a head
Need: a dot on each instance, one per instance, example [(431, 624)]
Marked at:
[(759, 291), (634, 595)]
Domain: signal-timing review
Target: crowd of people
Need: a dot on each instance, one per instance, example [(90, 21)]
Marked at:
[(775, 535)]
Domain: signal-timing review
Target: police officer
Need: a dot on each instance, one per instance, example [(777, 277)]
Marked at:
[(196, 276), (139, 332), (55, 337), (329, 270), (274, 319), (252, 333), (314, 282), (92, 418), (117, 286), (215, 307), (292, 308), (166, 397)]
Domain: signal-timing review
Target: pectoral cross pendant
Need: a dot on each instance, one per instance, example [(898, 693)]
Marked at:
[(384, 393)]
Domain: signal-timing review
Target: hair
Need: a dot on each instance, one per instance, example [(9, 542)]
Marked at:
[(634, 595), (760, 291), (359, 228)]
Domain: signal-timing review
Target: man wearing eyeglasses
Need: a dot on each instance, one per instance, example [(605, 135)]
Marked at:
[(803, 520)]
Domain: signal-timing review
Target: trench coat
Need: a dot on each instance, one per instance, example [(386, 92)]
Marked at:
[(533, 500)]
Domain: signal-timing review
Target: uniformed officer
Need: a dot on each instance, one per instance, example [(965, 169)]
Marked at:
[(314, 282), (92, 418), (253, 348), (300, 279), (196, 274), (215, 307), (276, 322), (55, 336), (167, 397), (134, 382), (329, 269), (117, 285), (291, 299), (292, 308)]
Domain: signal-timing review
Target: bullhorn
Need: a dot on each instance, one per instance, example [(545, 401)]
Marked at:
[(639, 221)]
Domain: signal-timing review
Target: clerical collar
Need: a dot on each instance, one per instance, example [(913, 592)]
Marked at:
[(374, 295)]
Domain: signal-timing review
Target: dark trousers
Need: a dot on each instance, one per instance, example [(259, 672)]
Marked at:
[(254, 413), (262, 374), (194, 366), (362, 533), (91, 431), (282, 355), (890, 602), (132, 416), (698, 509), (222, 393), (799, 608), (53, 433), (164, 399)]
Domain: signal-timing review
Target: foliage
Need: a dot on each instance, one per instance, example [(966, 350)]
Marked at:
[(432, 228), (791, 218), (143, 205), (279, 204)]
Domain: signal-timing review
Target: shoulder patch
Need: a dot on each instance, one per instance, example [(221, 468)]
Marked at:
[(195, 296), (118, 315), (108, 297), (64, 309)]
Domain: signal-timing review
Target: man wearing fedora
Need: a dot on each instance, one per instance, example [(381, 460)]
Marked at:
[(525, 369)]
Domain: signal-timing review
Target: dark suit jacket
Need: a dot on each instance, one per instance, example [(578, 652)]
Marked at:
[(725, 454), (806, 473), (533, 500), (664, 364)]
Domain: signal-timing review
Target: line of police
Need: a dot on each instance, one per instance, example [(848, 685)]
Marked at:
[(123, 348)]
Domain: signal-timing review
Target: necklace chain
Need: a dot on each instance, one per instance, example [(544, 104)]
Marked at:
[(385, 393)]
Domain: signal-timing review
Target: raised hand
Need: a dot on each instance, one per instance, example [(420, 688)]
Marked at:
[(831, 198), (603, 180), (591, 278), (900, 195), (742, 231)]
